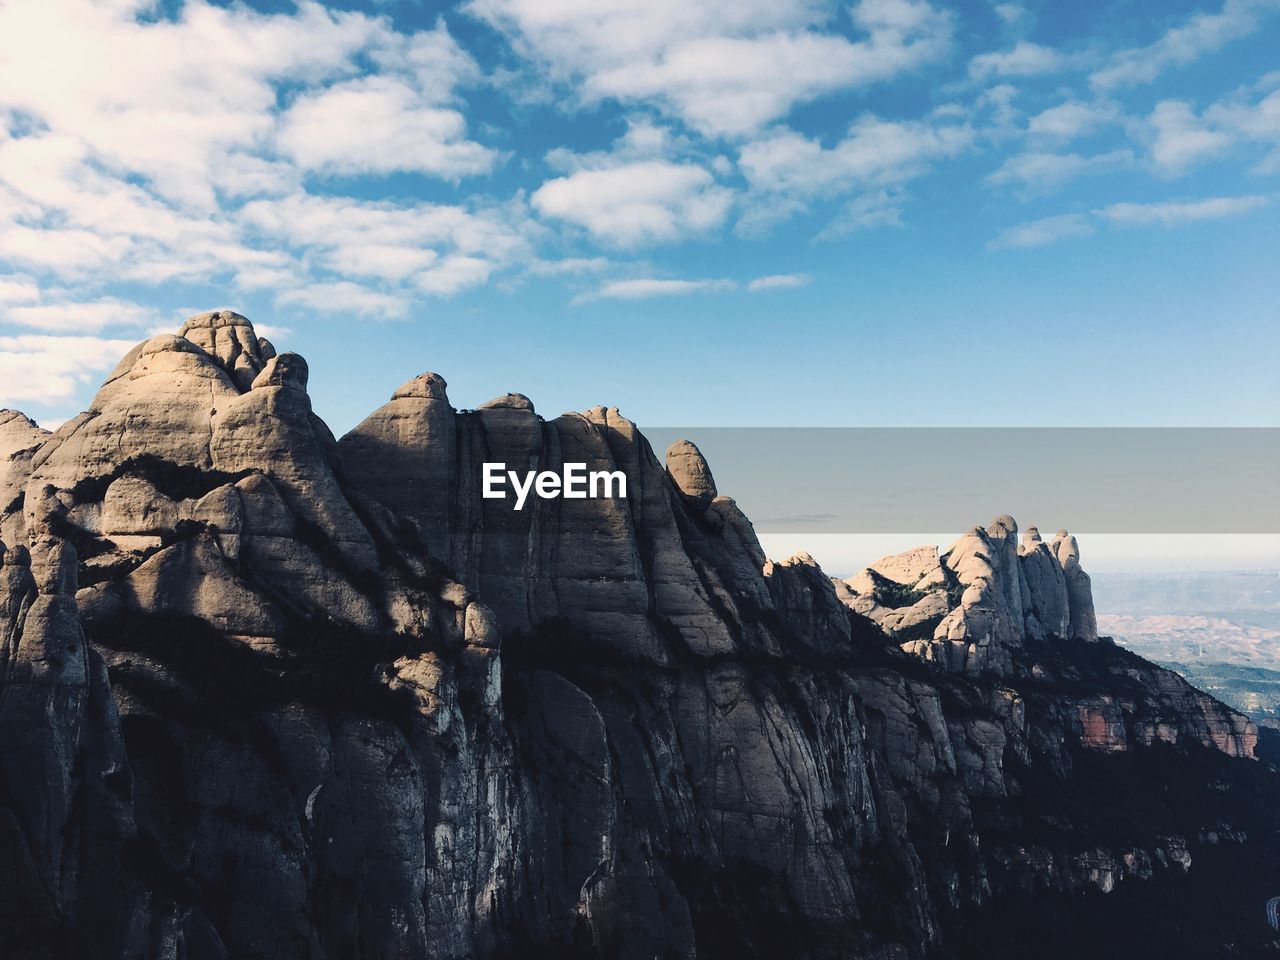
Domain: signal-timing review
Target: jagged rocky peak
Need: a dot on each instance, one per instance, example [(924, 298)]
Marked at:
[(969, 608)]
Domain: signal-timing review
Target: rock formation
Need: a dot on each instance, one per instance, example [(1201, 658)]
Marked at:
[(265, 693), (981, 600)]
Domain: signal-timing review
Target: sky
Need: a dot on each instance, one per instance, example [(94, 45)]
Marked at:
[(704, 212)]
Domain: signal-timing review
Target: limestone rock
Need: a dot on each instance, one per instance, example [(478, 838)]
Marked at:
[(19, 439), (690, 473), (1050, 613), (230, 339), (983, 600), (509, 401), (1084, 621), (404, 454)]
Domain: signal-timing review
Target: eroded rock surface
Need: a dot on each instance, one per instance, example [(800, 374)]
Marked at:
[(266, 693)]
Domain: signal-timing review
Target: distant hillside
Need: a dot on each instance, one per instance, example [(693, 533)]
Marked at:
[(1219, 630), (1251, 690)]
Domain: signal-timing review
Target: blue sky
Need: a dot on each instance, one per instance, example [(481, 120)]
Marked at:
[(890, 212)]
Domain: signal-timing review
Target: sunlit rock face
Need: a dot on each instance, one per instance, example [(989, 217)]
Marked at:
[(268, 693), (982, 599)]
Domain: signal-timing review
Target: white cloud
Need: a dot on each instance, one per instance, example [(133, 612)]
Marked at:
[(1257, 122), (1039, 233), (48, 369), (779, 281), (787, 171), (18, 289), (381, 261), (871, 211), (345, 297), (1072, 119), (642, 288), (379, 125), (1164, 213), (272, 332), (1170, 213), (1181, 138), (726, 67), (568, 266), (72, 251), (1200, 34), (651, 201), (439, 248), (1024, 59), (1039, 171), (1010, 13), (80, 317), (874, 152), (454, 274)]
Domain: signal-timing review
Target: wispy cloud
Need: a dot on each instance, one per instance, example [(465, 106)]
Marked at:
[(1040, 171), (871, 211), (786, 171), (72, 317), (779, 281), (1010, 13), (1024, 59), (1199, 34), (38, 368), (1169, 213), (643, 288), (1046, 230)]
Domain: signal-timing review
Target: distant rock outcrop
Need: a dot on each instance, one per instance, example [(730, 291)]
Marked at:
[(982, 599), (265, 693)]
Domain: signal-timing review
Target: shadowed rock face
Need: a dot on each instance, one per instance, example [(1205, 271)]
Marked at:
[(266, 693)]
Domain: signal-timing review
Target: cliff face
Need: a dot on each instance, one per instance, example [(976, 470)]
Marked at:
[(264, 693)]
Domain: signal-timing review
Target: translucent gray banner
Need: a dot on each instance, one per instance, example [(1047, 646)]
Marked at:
[(909, 480)]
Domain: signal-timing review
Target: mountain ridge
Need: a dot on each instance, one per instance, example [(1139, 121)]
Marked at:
[(274, 693)]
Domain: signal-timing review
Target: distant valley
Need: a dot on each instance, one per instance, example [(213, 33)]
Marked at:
[(1220, 630)]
